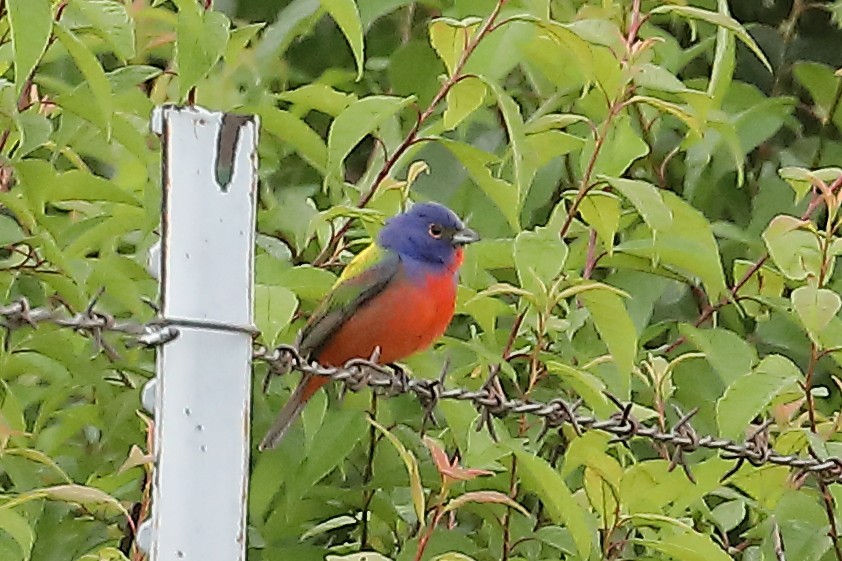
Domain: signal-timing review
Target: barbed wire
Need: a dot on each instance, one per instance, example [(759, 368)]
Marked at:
[(89, 321), (755, 449), (358, 374)]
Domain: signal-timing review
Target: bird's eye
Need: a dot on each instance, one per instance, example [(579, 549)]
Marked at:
[(436, 230)]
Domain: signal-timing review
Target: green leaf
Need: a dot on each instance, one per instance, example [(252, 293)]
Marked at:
[(411, 463), (515, 130), (794, 248), (328, 448), (646, 198), (202, 37), (803, 180), (462, 100), (590, 388), (476, 162), (539, 256), (815, 308), (683, 112), (274, 307), (602, 211), (765, 282), (31, 24), (296, 132), (453, 556), (539, 477), (541, 147), (720, 19), (621, 147), (656, 77), (295, 19), (750, 394), (78, 185), (678, 540), (354, 123), (484, 497), (110, 21), (320, 97), (724, 62), (71, 493), (360, 556), (553, 121), (347, 16), (449, 37), (687, 245), (35, 130), (615, 327), (17, 526), (10, 231), (820, 81), (730, 355), (91, 69), (238, 40)]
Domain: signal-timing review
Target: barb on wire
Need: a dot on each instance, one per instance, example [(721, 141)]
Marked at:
[(90, 322), (556, 413)]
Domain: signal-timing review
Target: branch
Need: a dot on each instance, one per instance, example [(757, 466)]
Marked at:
[(412, 137)]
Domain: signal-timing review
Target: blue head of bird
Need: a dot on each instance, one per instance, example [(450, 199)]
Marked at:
[(427, 232)]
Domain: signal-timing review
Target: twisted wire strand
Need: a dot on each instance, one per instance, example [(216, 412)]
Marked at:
[(755, 449), (358, 374)]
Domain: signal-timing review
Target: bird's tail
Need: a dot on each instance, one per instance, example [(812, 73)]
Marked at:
[(291, 410)]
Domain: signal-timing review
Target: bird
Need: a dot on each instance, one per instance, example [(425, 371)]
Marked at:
[(397, 296)]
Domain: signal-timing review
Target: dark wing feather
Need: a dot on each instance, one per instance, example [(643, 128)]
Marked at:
[(345, 299)]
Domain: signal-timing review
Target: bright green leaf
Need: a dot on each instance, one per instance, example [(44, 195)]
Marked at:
[(720, 19), (352, 125), (347, 16), (31, 24), (202, 38), (274, 307), (539, 477), (615, 327), (750, 394), (110, 21), (793, 247), (621, 147), (815, 308), (411, 463), (91, 69), (646, 198), (297, 133), (449, 38), (602, 211), (476, 162), (462, 100), (539, 255)]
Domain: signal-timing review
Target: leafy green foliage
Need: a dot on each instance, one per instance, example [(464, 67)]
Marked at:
[(660, 220)]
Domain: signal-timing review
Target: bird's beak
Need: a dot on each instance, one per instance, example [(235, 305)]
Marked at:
[(464, 237)]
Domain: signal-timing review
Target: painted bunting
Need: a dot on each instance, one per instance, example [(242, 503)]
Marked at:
[(397, 295)]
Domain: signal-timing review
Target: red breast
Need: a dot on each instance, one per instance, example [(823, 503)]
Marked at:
[(407, 317)]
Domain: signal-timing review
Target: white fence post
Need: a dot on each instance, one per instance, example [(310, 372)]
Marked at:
[(203, 388)]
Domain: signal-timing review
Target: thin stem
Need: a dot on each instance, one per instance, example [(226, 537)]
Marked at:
[(507, 516), (586, 184), (369, 472), (412, 136), (830, 510), (25, 91), (815, 203), (590, 259), (827, 125), (428, 532), (615, 108)]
